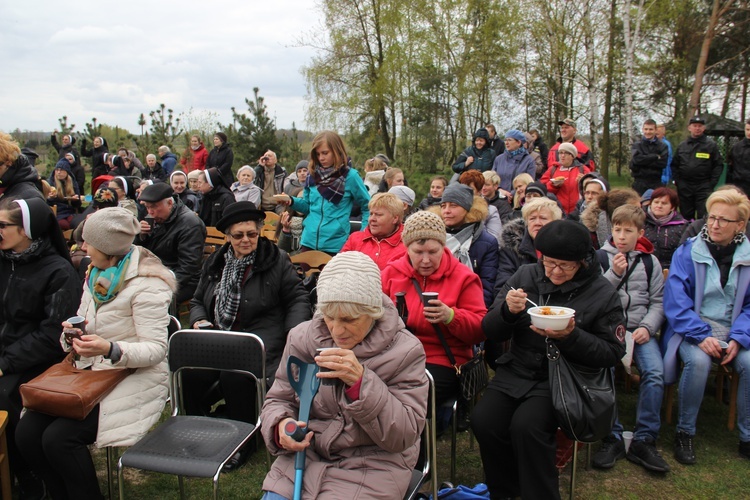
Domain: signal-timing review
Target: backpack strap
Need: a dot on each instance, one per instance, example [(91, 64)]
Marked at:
[(647, 259)]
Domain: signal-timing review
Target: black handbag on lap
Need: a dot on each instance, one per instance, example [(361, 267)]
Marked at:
[(583, 397)]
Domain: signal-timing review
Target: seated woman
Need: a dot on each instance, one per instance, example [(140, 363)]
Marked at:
[(591, 186), (514, 422), (381, 239), (375, 169), (709, 277), (459, 309), (464, 215), (216, 197), (18, 177), (664, 224), (244, 189), (125, 302), (519, 193), (125, 194), (437, 186), (392, 177), (65, 196), (367, 422), (597, 216), (248, 285), (179, 181), (41, 290)]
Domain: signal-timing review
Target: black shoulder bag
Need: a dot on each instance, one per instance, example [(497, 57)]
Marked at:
[(472, 375), (583, 397)]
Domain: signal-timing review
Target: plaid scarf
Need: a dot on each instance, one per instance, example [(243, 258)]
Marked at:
[(229, 289), (329, 181)]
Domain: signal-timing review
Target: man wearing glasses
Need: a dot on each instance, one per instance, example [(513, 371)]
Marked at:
[(173, 232)]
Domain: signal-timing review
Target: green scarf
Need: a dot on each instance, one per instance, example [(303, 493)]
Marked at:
[(105, 284)]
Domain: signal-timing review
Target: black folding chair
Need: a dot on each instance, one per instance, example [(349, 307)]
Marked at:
[(197, 446), (425, 469)]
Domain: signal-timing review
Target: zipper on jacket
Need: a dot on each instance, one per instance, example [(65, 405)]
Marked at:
[(320, 224)]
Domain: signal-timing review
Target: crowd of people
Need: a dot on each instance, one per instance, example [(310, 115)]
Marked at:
[(519, 221)]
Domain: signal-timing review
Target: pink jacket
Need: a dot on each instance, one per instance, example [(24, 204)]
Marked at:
[(364, 449)]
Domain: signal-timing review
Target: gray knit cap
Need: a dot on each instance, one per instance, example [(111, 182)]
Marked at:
[(351, 277), (460, 194), (111, 230), (424, 225)]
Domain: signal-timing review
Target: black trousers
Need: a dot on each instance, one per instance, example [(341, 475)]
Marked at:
[(446, 383), (693, 199), (56, 448), (641, 185), (202, 389), (517, 444), (10, 401)]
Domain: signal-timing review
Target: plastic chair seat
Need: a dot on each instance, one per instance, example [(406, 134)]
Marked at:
[(188, 446)]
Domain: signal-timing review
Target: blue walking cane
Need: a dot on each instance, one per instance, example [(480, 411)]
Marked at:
[(306, 386)]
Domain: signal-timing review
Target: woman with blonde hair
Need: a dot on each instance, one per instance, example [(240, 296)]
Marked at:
[(64, 196), (519, 187), (331, 190), (18, 177)]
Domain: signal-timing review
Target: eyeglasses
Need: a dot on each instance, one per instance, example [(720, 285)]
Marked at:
[(563, 267), (721, 221), (3, 225), (251, 235)]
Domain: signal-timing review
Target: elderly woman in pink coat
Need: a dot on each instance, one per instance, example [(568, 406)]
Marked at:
[(364, 429)]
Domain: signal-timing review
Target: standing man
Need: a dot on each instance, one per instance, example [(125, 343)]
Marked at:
[(696, 168), (496, 143), (176, 236), (661, 133), (269, 176), (168, 159), (738, 172), (568, 132), (648, 159)]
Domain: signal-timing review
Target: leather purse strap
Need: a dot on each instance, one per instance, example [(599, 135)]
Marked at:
[(438, 330)]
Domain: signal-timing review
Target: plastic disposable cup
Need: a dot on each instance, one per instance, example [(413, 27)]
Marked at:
[(627, 438), (326, 381)]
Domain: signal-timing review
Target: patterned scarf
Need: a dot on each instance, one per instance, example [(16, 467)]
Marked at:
[(660, 221), (329, 181), (229, 289), (23, 256), (737, 240), (516, 152), (105, 284)]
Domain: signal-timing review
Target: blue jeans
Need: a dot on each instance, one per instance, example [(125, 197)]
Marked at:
[(650, 394), (693, 385)]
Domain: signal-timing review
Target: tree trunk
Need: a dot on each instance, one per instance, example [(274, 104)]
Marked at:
[(591, 76), (606, 147)]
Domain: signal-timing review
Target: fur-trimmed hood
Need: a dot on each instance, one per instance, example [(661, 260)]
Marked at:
[(478, 212), (590, 217), (512, 234), (150, 266)]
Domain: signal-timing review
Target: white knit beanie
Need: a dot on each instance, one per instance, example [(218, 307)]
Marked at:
[(111, 230), (351, 277)]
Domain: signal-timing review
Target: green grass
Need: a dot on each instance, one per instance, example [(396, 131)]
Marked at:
[(719, 473)]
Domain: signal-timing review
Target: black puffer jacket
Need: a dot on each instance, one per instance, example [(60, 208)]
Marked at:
[(214, 203), (596, 340), (222, 158), (158, 174), (504, 208), (38, 293), (178, 242), (21, 180), (697, 161), (517, 249), (98, 167), (273, 299)]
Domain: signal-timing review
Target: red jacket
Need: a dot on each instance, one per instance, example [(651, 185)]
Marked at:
[(584, 154), (382, 251), (458, 287), (195, 160), (568, 193)]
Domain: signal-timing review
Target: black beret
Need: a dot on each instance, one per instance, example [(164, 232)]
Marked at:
[(241, 211), (156, 192), (564, 240)]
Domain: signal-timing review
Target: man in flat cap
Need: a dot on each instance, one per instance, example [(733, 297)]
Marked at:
[(696, 168), (175, 234)]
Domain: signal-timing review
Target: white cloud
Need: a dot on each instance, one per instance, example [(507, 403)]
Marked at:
[(86, 60)]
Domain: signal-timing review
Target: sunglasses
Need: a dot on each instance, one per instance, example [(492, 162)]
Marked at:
[(251, 235), (3, 225)]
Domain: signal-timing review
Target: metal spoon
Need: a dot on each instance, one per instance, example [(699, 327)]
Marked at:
[(527, 299)]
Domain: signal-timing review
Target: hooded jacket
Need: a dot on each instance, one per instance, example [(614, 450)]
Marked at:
[(272, 301), (21, 180), (508, 166), (136, 319), (738, 160), (248, 192), (665, 237), (692, 271), (363, 449), (517, 249), (458, 288), (326, 225), (596, 340), (382, 251), (372, 181), (581, 204), (642, 298), (194, 159), (567, 194), (584, 154), (596, 221), (214, 203), (222, 158), (178, 242), (39, 292), (168, 162), (697, 161), (483, 158)]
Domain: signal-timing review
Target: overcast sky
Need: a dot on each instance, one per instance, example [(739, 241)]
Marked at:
[(87, 59)]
